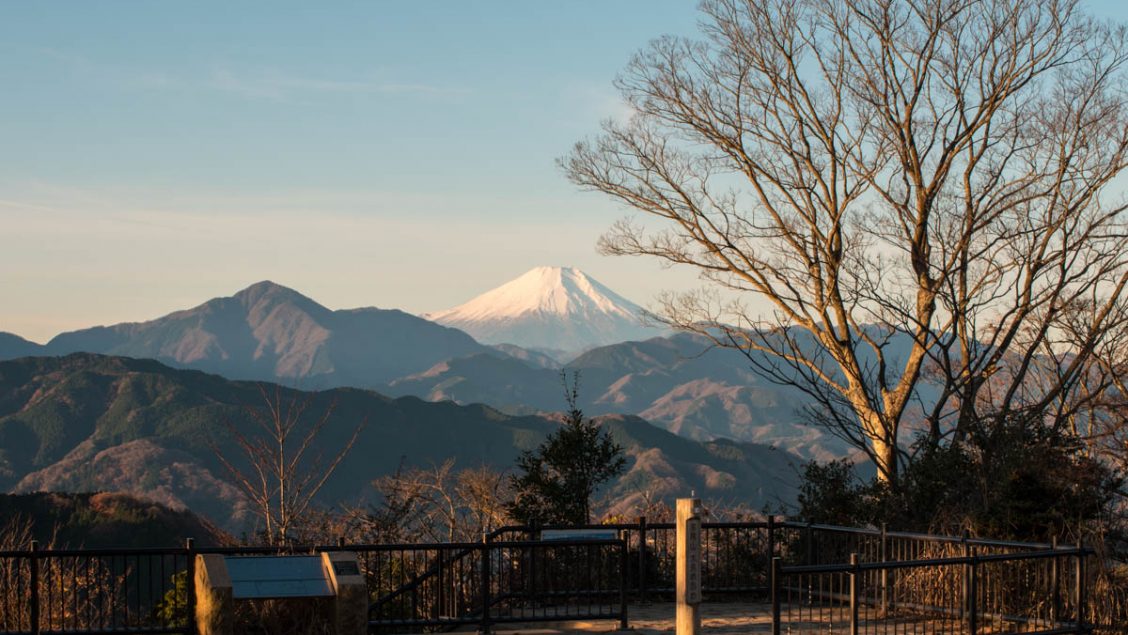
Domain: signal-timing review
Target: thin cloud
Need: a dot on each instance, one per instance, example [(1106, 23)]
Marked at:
[(273, 84), (281, 85)]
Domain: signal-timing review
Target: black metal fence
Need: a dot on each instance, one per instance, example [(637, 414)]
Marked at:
[(421, 586), (908, 582), (735, 555), (95, 591), (492, 582), (1030, 592)]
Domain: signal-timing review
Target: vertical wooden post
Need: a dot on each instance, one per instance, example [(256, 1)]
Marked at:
[(1080, 590), (33, 597), (855, 599), (349, 605), (215, 602), (688, 588)]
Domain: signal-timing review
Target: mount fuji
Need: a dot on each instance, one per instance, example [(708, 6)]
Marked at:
[(558, 309)]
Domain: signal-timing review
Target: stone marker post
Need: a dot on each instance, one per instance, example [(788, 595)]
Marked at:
[(215, 605), (688, 590), (350, 607)]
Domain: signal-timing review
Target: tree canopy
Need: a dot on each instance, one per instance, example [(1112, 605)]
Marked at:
[(881, 194), (555, 482)]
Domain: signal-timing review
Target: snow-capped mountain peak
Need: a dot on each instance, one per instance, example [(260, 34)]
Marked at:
[(553, 308), (544, 290)]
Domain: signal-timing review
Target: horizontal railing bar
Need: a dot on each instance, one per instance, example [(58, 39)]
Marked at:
[(72, 553), (476, 619), (933, 562), (867, 531), (509, 544), (137, 629)]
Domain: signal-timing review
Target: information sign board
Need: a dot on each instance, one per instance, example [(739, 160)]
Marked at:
[(579, 534), (273, 577)]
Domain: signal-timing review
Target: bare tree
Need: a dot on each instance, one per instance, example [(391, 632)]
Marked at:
[(284, 470), (916, 190), (443, 504)]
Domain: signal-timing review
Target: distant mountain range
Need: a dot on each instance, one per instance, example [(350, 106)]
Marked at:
[(88, 422), (680, 383), (558, 309), (272, 333), (268, 332)]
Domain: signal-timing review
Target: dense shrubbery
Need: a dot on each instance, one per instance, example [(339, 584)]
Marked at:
[(1017, 479)]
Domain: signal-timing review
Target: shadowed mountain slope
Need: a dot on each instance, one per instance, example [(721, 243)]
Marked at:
[(105, 521), (13, 346), (88, 423), (677, 382)]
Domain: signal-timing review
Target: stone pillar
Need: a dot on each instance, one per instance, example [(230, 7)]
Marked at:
[(688, 589), (350, 606), (215, 606)]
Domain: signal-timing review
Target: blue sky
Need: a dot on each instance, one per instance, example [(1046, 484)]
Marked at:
[(154, 155)]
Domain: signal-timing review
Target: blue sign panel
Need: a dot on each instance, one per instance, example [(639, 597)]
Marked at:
[(273, 577)]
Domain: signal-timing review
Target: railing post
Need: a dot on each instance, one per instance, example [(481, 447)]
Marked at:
[(484, 625), (884, 555), (1081, 599), (965, 599), (1055, 584), (623, 625), (642, 559), (771, 536), (855, 586), (190, 586), (440, 599), (774, 582), (973, 594), (810, 544), (33, 597)]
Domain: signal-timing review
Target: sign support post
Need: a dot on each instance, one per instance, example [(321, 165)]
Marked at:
[(688, 588)]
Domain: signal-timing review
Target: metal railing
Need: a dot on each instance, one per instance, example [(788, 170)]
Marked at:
[(513, 577), (96, 591), (448, 584), (735, 555), (1036, 591)]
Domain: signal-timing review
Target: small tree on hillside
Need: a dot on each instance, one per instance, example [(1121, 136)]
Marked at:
[(284, 470), (555, 482), (440, 503)]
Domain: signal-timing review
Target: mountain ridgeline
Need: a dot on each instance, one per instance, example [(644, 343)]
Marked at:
[(272, 333), (268, 332), (88, 422)]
